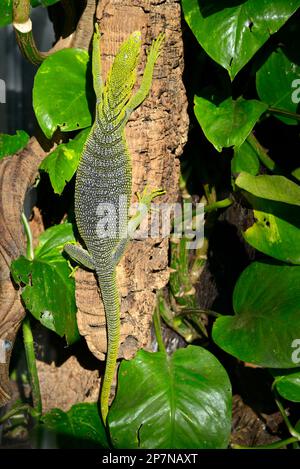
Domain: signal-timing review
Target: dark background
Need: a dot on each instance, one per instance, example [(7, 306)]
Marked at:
[(18, 74)]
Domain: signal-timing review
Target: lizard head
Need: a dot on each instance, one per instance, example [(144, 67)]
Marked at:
[(122, 75), (129, 52)]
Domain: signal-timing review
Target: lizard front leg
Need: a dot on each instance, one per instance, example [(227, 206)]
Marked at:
[(145, 200), (145, 86), (96, 65)]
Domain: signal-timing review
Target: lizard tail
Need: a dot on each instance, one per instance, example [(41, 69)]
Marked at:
[(111, 301)]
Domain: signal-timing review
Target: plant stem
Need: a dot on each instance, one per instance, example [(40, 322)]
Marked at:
[(290, 427), (23, 29), (210, 193), (218, 204), (21, 10), (183, 328), (13, 412), (209, 208), (157, 329), (275, 445), (31, 363), (27, 334), (281, 112), (209, 312), (261, 152), (29, 247)]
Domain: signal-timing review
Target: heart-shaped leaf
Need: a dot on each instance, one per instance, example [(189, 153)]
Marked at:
[(288, 382), (49, 291), (80, 427), (61, 92), (231, 32), (266, 322), (278, 84), (178, 401), (277, 188), (230, 122)]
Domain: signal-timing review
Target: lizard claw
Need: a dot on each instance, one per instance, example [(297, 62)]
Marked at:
[(148, 195), (73, 270), (155, 48), (97, 32)]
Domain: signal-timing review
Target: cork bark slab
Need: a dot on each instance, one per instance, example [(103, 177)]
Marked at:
[(67, 384), (155, 134)]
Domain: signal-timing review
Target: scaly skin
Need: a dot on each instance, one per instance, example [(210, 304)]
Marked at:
[(104, 177)]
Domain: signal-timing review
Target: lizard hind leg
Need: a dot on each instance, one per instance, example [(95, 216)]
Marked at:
[(96, 65)]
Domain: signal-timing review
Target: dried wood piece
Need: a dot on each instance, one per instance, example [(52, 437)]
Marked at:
[(156, 135), (67, 384)]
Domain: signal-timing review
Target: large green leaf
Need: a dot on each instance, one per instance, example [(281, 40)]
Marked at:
[(245, 159), (178, 401), (266, 322), (275, 82), (80, 427), (296, 173), (230, 122), (288, 384), (232, 31), (10, 144), (61, 94), (62, 163), (48, 290), (277, 188), (274, 237)]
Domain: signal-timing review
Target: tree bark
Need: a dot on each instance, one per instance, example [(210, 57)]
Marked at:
[(155, 135)]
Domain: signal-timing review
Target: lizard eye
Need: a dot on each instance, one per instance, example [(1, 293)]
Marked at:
[(137, 36)]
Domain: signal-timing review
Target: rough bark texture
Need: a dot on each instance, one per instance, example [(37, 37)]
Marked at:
[(17, 173), (155, 135), (67, 384)]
